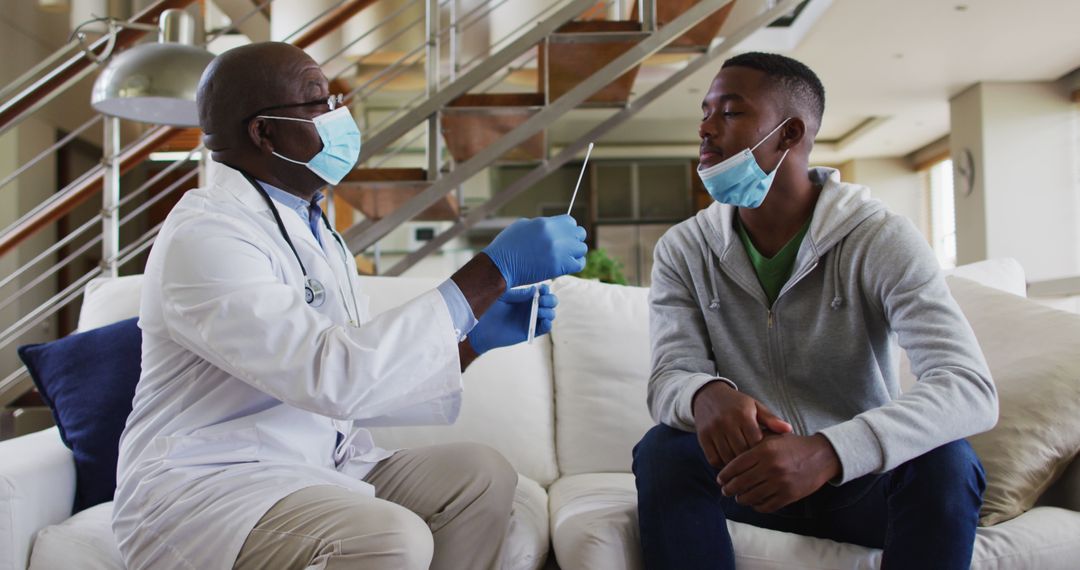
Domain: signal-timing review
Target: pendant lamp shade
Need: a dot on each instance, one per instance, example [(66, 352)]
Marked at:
[(155, 82)]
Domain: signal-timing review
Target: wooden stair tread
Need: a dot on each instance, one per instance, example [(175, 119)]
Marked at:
[(498, 100), (378, 199), (696, 38), (598, 26), (570, 58), (386, 175)]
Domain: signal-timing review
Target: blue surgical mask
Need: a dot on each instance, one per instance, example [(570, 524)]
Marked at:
[(341, 144), (739, 180)]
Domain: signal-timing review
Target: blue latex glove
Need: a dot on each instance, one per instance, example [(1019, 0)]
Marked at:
[(538, 249), (507, 321)]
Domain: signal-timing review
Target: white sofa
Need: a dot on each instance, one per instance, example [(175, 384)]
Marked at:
[(566, 411)]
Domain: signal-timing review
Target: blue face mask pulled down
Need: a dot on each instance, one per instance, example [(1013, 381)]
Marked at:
[(739, 180), (341, 144)]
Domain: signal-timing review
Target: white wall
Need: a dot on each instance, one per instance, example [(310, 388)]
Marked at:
[(1025, 140), (27, 36), (892, 181), (17, 147)]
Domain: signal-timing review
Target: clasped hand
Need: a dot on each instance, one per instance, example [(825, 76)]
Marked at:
[(762, 463)]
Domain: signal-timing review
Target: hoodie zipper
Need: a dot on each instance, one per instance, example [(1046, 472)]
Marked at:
[(789, 410), (777, 365)]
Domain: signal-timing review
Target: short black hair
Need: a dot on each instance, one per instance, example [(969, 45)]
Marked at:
[(801, 86)]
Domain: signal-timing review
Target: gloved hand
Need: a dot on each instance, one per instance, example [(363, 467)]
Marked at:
[(507, 321), (537, 249)]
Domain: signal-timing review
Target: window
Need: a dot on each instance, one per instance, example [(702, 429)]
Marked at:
[(943, 213)]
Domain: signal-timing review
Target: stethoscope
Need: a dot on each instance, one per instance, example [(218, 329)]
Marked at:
[(314, 291)]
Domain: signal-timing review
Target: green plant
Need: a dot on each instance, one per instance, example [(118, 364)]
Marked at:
[(599, 265)]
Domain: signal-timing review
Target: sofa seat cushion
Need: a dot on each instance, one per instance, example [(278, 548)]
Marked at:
[(594, 525), (594, 521), (85, 541), (528, 540)]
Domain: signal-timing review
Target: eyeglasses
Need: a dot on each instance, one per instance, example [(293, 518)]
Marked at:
[(333, 102)]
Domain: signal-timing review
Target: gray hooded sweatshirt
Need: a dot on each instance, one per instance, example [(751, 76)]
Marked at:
[(822, 356)]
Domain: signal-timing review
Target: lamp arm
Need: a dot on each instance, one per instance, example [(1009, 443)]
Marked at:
[(114, 27)]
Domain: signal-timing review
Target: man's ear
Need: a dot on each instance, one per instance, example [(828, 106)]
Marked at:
[(792, 133), (259, 131)]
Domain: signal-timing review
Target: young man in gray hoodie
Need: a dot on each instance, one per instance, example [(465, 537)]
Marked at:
[(773, 371)]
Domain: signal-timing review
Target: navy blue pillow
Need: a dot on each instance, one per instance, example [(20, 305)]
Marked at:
[(88, 379)]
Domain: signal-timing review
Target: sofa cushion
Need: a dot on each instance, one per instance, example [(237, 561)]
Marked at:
[(527, 540), (594, 525), (1035, 362), (109, 299), (1004, 274), (86, 541), (601, 350), (88, 379), (508, 395), (594, 521)]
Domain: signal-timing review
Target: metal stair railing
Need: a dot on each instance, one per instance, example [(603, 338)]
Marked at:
[(47, 88), (363, 235), (86, 185), (56, 80), (439, 99), (572, 150)]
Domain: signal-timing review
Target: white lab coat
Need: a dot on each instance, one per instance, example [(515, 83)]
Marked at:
[(244, 386)]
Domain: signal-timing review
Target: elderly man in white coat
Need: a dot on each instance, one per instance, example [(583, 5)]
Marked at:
[(260, 364)]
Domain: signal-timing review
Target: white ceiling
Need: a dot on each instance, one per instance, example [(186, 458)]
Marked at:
[(898, 61)]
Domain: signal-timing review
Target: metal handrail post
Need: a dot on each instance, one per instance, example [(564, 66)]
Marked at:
[(454, 39), (647, 9), (110, 197), (454, 47), (432, 64)]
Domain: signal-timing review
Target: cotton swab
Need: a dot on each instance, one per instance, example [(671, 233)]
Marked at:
[(536, 293), (579, 177)]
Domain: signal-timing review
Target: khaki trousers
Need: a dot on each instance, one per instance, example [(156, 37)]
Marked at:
[(443, 507)]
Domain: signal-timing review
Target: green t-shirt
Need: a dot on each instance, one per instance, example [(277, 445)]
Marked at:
[(773, 272)]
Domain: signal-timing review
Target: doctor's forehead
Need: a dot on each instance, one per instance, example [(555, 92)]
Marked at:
[(308, 82)]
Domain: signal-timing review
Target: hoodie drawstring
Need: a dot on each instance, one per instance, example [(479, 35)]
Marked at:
[(714, 303), (838, 300)]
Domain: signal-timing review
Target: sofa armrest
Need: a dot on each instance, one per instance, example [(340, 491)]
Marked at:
[(37, 489)]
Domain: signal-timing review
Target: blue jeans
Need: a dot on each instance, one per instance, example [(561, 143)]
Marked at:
[(923, 513)]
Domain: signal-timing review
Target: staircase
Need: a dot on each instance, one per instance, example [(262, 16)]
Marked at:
[(468, 115)]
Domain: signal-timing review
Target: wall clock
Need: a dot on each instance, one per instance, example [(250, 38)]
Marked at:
[(965, 172)]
